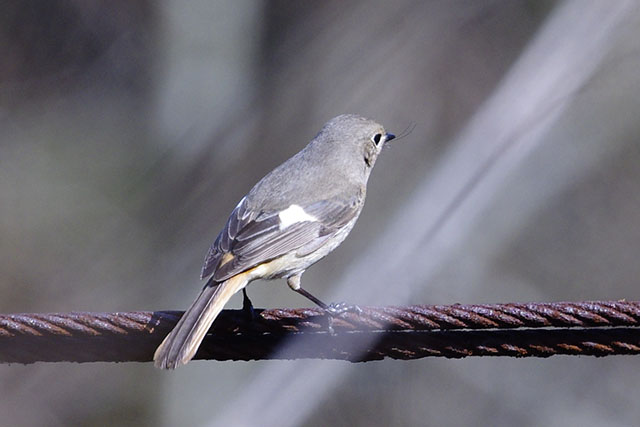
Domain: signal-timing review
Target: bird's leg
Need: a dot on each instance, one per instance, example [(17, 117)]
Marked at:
[(333, 309), (247, 306), (294, 283)]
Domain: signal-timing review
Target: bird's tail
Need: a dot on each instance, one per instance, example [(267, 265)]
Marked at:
[(181, 344)]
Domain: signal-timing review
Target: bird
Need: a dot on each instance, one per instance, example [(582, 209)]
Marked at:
[(292, 218)]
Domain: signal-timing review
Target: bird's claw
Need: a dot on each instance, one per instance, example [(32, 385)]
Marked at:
[(338, 308)]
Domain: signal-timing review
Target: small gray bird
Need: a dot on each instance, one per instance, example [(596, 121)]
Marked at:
[(292, 218)]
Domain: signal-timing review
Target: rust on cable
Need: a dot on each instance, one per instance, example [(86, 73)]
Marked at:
[(595, 328)]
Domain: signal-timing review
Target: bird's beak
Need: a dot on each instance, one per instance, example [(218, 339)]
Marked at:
[(388, 137)]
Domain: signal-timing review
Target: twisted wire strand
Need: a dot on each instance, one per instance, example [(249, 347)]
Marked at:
[(597, 328)]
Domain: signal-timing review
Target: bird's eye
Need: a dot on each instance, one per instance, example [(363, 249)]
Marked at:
[(376, 138)]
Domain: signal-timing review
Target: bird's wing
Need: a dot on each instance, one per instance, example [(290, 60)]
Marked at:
[(251, 237)]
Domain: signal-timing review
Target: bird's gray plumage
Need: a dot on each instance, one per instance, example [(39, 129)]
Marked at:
[(327, 178), (290, 219)]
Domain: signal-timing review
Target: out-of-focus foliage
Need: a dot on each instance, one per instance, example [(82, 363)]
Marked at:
[(129, 130)]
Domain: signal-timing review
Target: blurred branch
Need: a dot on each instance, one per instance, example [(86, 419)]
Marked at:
[(597, 328)]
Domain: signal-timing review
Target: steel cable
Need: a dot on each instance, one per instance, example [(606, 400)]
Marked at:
[(597, 328)]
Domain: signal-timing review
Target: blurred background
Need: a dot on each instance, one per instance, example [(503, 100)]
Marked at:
[(130, 129)]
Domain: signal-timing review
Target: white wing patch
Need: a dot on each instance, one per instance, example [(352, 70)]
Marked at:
[(292, 215)]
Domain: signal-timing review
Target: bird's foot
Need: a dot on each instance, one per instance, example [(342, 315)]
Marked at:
[(338, 308)]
